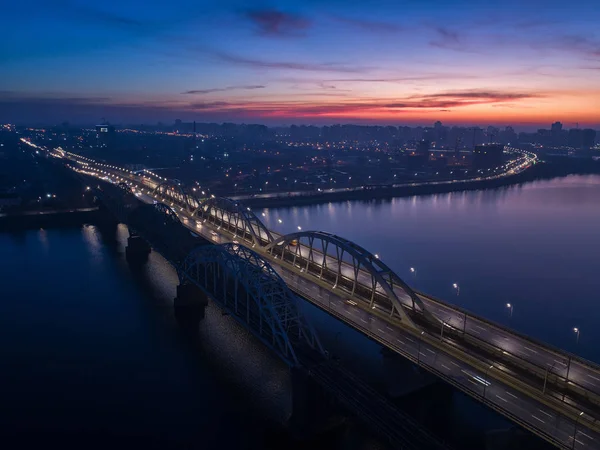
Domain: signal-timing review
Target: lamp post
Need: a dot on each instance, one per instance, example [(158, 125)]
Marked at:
[(457, 287), (575, 428), (413, 271), (510, 306), (486, 381), (577, 331), (444, 324), (549, 369), (419, 350)]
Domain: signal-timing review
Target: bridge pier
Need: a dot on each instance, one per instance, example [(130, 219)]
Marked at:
[(313, 410), (137, 249), (403, 377), (190, 305)]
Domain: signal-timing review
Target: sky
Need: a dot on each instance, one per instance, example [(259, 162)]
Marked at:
[(525, 63)]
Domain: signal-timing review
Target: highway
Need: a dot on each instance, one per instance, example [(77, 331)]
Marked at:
[(523, 379)]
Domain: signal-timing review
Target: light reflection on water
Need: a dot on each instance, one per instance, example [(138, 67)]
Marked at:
[(535, 246)]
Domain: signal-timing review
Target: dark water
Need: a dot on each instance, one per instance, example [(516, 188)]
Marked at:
[(536, 246), (90, 354)]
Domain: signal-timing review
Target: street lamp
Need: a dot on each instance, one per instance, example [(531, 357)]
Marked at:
[(548, 370), (575, 428), (419, 350), (577, 331), (457, 287), (511, 307), (413, 270), (299, 228), (486, 381), (279, 220)]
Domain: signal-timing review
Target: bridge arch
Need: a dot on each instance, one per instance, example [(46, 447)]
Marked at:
[(168, 212), (246, 286), (173, 190), (239, 220), (346, 265)]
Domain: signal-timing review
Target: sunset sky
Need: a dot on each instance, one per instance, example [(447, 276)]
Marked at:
[(525, 62)]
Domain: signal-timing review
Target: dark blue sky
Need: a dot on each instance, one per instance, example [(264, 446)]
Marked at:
[(466, 61)]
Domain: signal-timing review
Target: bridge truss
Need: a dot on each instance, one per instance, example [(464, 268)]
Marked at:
[(248, 288), (349, 267), (174, 192), (235, 218)]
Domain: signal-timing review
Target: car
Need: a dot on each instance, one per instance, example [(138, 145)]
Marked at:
[(214, 233), (235, 242)]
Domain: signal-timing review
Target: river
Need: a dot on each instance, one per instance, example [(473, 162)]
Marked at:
[(92, 353), (535, 246)]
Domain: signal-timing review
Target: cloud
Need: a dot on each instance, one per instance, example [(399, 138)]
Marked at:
[(373, 26), (425, 77), (287, 65), (583, 44), (228, 88), (271, 22), (449, 39), (488, 96), (296, 107)]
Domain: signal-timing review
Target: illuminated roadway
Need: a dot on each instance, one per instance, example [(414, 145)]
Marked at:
[(492, 364)]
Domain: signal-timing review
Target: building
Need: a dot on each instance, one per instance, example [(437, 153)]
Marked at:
[(488, 156), (588, 138), (105, 136)]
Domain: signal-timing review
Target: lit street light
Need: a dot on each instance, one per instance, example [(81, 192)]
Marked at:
[(457, 287), (577, 331), (279, 220), (299, 228), (510, 306), (412, 270)]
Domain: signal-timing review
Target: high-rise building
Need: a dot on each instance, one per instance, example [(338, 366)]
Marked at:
[(105, 136), (556, 127), (575, 137), (588, 137)]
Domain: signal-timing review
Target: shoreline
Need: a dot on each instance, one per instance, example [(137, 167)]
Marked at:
[(48, 219), (533, 173)]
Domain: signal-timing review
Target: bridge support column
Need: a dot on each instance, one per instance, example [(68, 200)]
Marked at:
[(402, 377), (190, 305), (313, 411), (137, 249)]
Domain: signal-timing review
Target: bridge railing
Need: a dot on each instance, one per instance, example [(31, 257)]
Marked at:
[(555, 435)]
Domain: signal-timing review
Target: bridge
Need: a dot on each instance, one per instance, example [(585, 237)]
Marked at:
[(554, 394)]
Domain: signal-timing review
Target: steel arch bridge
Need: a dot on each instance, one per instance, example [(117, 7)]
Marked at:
[(232, 216), (169, 214), (350, 267), (248, 288), (176, 193)]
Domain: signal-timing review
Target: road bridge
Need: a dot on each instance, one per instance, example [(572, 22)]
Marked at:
[(245, 285), (554, 394)]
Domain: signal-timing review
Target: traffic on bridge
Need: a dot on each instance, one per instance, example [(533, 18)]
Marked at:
[(554, 394)]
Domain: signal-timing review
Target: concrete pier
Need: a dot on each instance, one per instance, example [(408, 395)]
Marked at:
[(190, 305), (137, 249)]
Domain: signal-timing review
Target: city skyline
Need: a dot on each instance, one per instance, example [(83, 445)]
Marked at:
[(311, 63)]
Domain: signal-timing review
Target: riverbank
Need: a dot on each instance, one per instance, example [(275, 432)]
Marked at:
[(48, 218), (382, 192)]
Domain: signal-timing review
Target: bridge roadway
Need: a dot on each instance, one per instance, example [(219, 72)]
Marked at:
[(561, 417)]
